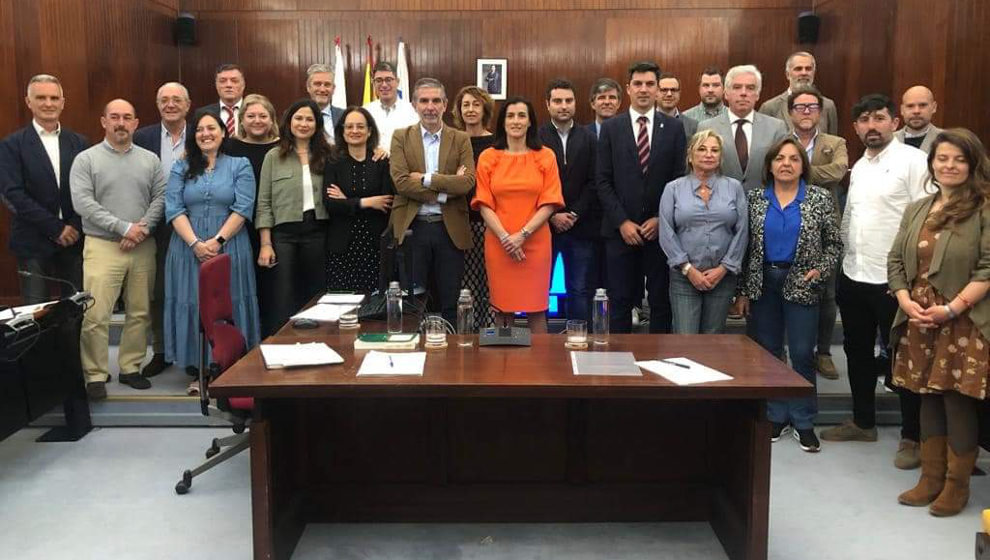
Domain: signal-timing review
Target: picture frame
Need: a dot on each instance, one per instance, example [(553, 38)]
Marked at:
[(493, 76)]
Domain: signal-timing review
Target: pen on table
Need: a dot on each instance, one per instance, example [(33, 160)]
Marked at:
[(390, 364), (673, 363)]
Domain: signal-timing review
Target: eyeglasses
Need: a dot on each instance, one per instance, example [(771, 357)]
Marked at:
[(669, 90), (388, 80), (806, 107)]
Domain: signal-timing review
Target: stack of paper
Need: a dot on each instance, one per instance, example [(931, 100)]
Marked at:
[(692, 374), (354, 299), (329, 312), (604, 363), (294, 355), (393, 363)]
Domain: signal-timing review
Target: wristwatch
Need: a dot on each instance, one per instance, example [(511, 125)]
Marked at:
[(685, 268), (220, 239)]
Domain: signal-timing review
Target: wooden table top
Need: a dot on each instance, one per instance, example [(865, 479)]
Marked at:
[(542, 370)]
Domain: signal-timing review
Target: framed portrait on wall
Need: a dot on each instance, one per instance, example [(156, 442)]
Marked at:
[(493, 76)]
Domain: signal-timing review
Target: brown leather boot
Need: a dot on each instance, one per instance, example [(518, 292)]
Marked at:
[(933, 467), (954, 496)]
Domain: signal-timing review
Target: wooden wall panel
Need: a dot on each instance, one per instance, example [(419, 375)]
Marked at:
[(967, 69)]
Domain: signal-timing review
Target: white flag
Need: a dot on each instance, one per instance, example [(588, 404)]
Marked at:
[(403, 72), (340, 87)]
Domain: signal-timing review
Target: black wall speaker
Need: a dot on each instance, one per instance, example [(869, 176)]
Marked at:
[(185, 29), (808, 24)]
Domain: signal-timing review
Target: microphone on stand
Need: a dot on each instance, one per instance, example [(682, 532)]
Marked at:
[(77, 297)]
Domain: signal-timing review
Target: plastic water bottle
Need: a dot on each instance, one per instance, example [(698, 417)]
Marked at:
[(393, 307), (599, 314), (465, 318)]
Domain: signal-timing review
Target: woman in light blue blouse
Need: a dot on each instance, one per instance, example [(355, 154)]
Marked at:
[(209, 198), (703, 232)]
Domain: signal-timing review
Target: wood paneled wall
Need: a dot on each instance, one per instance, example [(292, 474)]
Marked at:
[(100, 50), (276, 40)]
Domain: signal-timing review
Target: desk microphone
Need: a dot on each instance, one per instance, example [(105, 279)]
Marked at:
[(27, 274)]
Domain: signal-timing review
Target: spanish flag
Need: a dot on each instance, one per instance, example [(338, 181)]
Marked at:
[(369, 88)]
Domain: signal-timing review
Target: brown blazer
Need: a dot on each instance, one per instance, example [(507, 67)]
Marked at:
[(407, 156), (962, 255), (829, 163)]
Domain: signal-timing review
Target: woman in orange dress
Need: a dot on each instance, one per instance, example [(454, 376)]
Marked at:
[(518, 188)]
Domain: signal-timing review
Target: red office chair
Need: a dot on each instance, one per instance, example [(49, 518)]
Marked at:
[(216, 323)]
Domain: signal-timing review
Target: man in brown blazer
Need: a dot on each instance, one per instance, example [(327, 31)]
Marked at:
[(432, 167), (829, 165)]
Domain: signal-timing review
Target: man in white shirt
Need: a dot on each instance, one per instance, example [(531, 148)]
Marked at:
[(230, 85), (390, 112), (888, 177)]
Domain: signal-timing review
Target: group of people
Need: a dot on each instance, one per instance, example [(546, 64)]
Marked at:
[(722, 209)]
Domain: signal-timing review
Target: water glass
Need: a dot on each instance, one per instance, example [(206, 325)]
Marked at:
[(577, 335), (436, 332)]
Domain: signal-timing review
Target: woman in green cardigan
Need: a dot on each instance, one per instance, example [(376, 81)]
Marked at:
[(939, 270)]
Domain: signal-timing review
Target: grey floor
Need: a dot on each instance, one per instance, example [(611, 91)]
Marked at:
[(111, 496)]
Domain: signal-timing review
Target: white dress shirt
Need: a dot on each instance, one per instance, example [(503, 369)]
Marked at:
[(237, 113), (564, 132), (50, 142), (400, 115), (880, 188), (172, 149), (635, 115), (307, 188), (747, 127)]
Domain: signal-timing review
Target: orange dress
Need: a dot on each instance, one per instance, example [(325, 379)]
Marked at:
[(514, 186)]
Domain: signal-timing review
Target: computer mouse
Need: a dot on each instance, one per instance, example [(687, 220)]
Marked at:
[(305, 324)]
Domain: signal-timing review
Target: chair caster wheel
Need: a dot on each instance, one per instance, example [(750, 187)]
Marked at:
[(238, 428), (182, 487), (213, 450)]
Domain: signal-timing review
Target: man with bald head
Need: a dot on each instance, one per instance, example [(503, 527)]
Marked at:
[(167, 140), (800, 71), (917, 108), (119, 191)]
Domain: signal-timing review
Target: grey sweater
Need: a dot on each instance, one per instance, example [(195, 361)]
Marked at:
[(112, 190)]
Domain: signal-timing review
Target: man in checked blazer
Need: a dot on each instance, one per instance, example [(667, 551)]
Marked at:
[(758, 131), (639, 152), (432, 166)]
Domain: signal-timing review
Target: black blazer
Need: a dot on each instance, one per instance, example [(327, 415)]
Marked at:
[(343, 212), (213, 108), (150, 138), (624, 192), (577, 177), (30, 191)]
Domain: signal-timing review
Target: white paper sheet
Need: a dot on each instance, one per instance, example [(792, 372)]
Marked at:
[(355, 299), (604, 363), (393, 363), (295, 355), (15, 311), (692, 375), (326, 312)]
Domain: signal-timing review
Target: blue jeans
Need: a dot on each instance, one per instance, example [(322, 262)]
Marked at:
[(770, 316), (696, 312), (580, 272)]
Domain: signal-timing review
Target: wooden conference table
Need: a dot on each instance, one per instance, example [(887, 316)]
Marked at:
[(511, 435)]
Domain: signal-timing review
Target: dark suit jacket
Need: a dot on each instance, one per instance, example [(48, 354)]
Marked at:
[(343, 212), (625, 193), (408, 155), (213, 108), (150, 138), (31, 192), (577, 176)]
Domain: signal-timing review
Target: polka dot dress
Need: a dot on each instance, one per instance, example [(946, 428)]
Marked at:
[(356, 268)]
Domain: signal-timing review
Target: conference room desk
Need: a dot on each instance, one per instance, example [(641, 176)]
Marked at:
[(511, 435)]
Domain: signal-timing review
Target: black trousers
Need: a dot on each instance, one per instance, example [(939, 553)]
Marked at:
[(436, 258), (300, 274), (163, 236), (65, 263), (866, 308), (627, 265)]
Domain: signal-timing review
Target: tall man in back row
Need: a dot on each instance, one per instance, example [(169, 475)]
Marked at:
[(639, 152), (432, 166)]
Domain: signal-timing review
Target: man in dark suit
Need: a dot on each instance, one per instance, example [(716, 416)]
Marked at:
[(167, 140), (432, 167), (605, 102), (320, 87), (576, 228), (639, 152), (229, 80), (669, 96), (46, 232)]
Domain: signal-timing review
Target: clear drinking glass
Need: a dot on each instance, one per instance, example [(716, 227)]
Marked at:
[(577, 335), (348, 320), (436, 332)]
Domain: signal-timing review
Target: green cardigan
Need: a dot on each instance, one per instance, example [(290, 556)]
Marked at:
[(280, 197), (962, 255)]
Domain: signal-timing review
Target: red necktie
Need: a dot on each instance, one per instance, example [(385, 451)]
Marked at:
[(643, 143), (742, 147), (230, 119)]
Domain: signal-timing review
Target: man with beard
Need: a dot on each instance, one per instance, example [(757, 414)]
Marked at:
[(888, 177), (800, 72), (710, 90), (917, 108)]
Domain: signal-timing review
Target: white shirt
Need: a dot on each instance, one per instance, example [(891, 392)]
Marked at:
[(564, 132), (400, 115), (172, 152), (635, 115), (431, 155), (307, 187), (237, 113), (50, 141), (747, 127), (880, 188)]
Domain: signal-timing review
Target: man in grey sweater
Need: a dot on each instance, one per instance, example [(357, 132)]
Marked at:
[(119, 191)]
